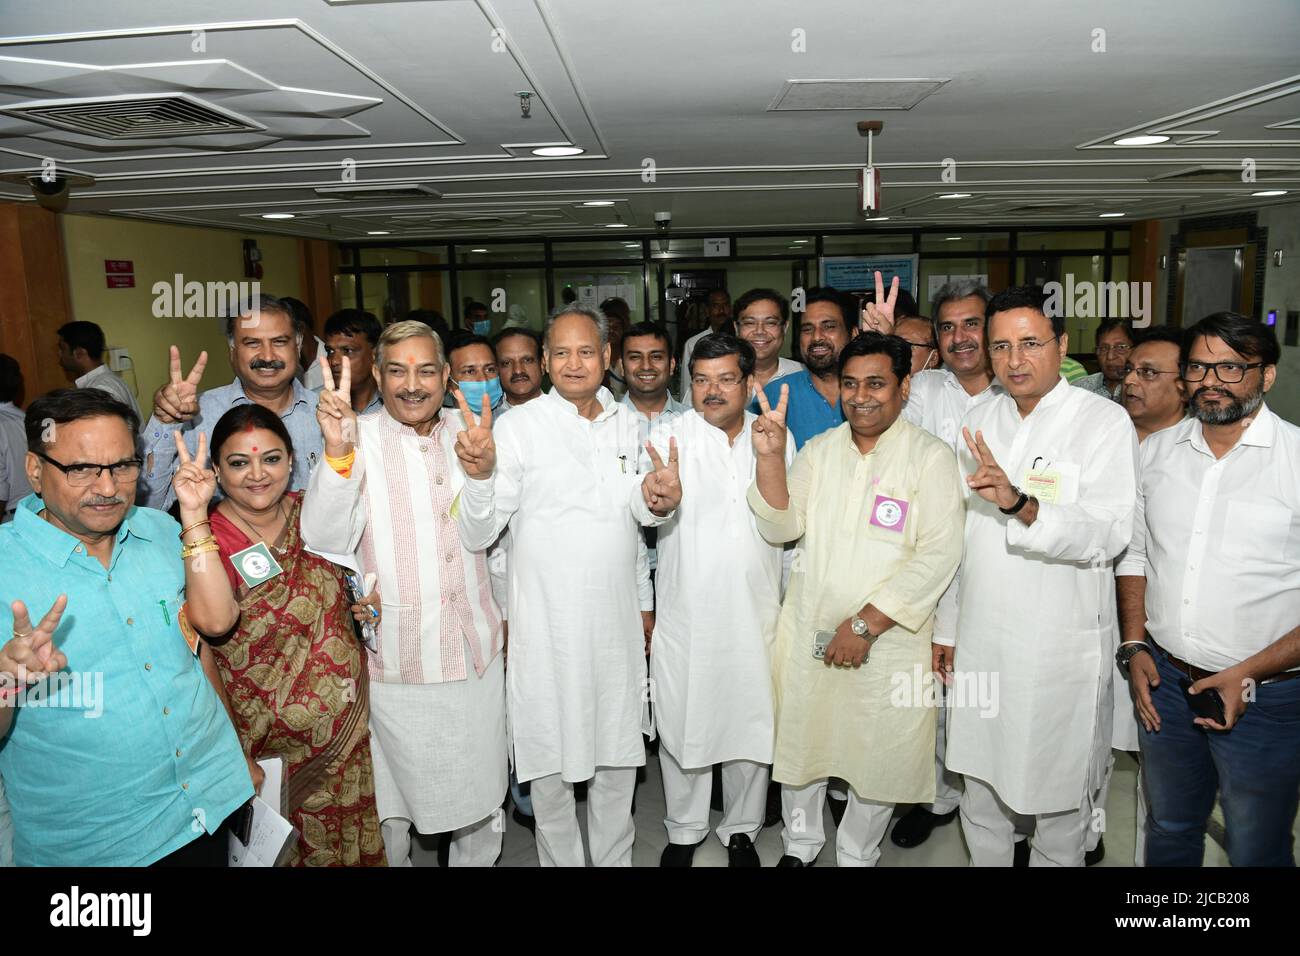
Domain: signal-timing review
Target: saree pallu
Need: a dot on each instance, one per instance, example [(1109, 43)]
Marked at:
[(296, 677)]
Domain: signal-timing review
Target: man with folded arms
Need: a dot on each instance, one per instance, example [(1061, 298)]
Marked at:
[(879, 504), (1209, 603)]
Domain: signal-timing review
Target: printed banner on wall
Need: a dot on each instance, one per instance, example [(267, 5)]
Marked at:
[(858, 273)]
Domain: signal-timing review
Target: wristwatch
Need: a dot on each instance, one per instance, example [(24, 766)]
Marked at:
[(1024, 499), (1129, 651), (859, 627)]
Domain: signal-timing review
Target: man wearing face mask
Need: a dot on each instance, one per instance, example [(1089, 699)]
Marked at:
[(478, 318), (388, 493), (264, 342), (879, 506), (473, 371)]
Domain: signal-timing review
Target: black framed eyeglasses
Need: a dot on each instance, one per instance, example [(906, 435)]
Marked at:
[(924, 345), (82, 475), (1229, 373)]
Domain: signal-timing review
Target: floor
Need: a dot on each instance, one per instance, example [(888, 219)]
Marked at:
[(944, 848)]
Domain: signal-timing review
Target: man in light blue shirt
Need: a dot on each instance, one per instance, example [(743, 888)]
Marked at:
[(264, 342), (826, 326), (125, 755)]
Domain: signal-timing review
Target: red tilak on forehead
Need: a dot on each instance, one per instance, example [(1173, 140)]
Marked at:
[(249, 427), (254, 448)]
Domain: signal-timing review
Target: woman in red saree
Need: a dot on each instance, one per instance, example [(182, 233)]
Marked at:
[(292, 669)]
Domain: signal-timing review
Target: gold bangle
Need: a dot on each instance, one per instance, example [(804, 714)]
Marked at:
[(199, 549), (197, 524)]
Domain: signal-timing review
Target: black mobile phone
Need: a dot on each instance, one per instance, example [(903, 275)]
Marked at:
[(1207, 703)]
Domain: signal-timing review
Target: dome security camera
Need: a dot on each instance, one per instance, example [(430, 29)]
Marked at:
[(51, 194)]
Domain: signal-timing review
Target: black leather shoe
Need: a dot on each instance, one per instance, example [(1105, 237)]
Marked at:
[(914, 827), (772, 815), (524, 820), (788, 860), (1097, 854), (741, 852), (678, 854), (837, 808), (1021, 857)]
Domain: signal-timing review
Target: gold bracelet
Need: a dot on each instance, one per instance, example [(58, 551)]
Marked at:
[(202, 546), (197, 524)]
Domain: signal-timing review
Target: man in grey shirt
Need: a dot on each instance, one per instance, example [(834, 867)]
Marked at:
[(264, 346)]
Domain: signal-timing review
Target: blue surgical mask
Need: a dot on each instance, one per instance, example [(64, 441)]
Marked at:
[(483, 328), (474, 392)]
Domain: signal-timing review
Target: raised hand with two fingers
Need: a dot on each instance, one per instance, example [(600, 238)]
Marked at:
[(334, 412), (878, 316), (768, 432), (662, 488), (30, 654), (990, 482), (178, 400), (475, 447), (194, 482)]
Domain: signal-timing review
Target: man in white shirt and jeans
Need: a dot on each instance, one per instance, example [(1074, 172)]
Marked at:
[(1209, 596), (81, 356)]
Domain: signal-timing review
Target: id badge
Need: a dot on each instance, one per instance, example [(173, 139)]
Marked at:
[(1044, 485), (889, 513), (255, 565)]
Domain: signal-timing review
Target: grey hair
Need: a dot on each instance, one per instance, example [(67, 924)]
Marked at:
[(601, 323), (408, 329), (253, 307), (955, 290)]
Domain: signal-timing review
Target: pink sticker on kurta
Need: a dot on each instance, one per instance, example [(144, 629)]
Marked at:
[(889, 513)]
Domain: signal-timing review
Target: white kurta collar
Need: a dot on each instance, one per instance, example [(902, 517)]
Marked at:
[(389, 423), (608, 404), (1259, 433)]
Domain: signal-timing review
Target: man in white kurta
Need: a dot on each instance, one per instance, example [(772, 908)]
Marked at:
[(938, 401), (719, 594), (565, 481), (437, 692), (879, 503), (1053, 475)]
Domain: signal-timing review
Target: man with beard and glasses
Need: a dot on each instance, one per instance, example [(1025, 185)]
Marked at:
[(1052, 472), (264, 339), (878, 503), (710, 662), (519, 362), (562, 472), (388, 494), (826, 326), (1209, 604)]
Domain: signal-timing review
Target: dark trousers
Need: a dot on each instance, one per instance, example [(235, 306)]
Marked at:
[(207, 849), (1254, 767)]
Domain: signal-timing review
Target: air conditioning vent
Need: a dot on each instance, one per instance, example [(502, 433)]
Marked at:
[(380, 191), (853, 94), (135, 117), (1228, 172)]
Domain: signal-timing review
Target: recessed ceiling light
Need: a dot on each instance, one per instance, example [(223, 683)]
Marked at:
[(632, 245), (377, 232), (800, 242), (277, 215), (558, 151), (1270, 192), (478, 250), (955, 196), (878, 219), (951, 238), (615, 225), (1143, 140), (599, 202), (1110, 215)]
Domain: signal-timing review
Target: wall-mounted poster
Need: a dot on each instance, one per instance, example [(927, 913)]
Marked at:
[(858, 273)]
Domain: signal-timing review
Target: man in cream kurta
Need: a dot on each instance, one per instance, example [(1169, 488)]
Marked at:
[(1054, 471), (437, 689), (879, 504), (719, 594), (562, 473)]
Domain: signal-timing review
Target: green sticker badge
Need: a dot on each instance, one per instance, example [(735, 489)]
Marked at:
[(255, 565)]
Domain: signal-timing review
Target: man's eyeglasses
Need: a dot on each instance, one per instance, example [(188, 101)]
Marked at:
[(1030, 347), (726, 383), (753, 325), (79, 476), (1114, 349), (1229, 373), (924, 345), (1146, 374)]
